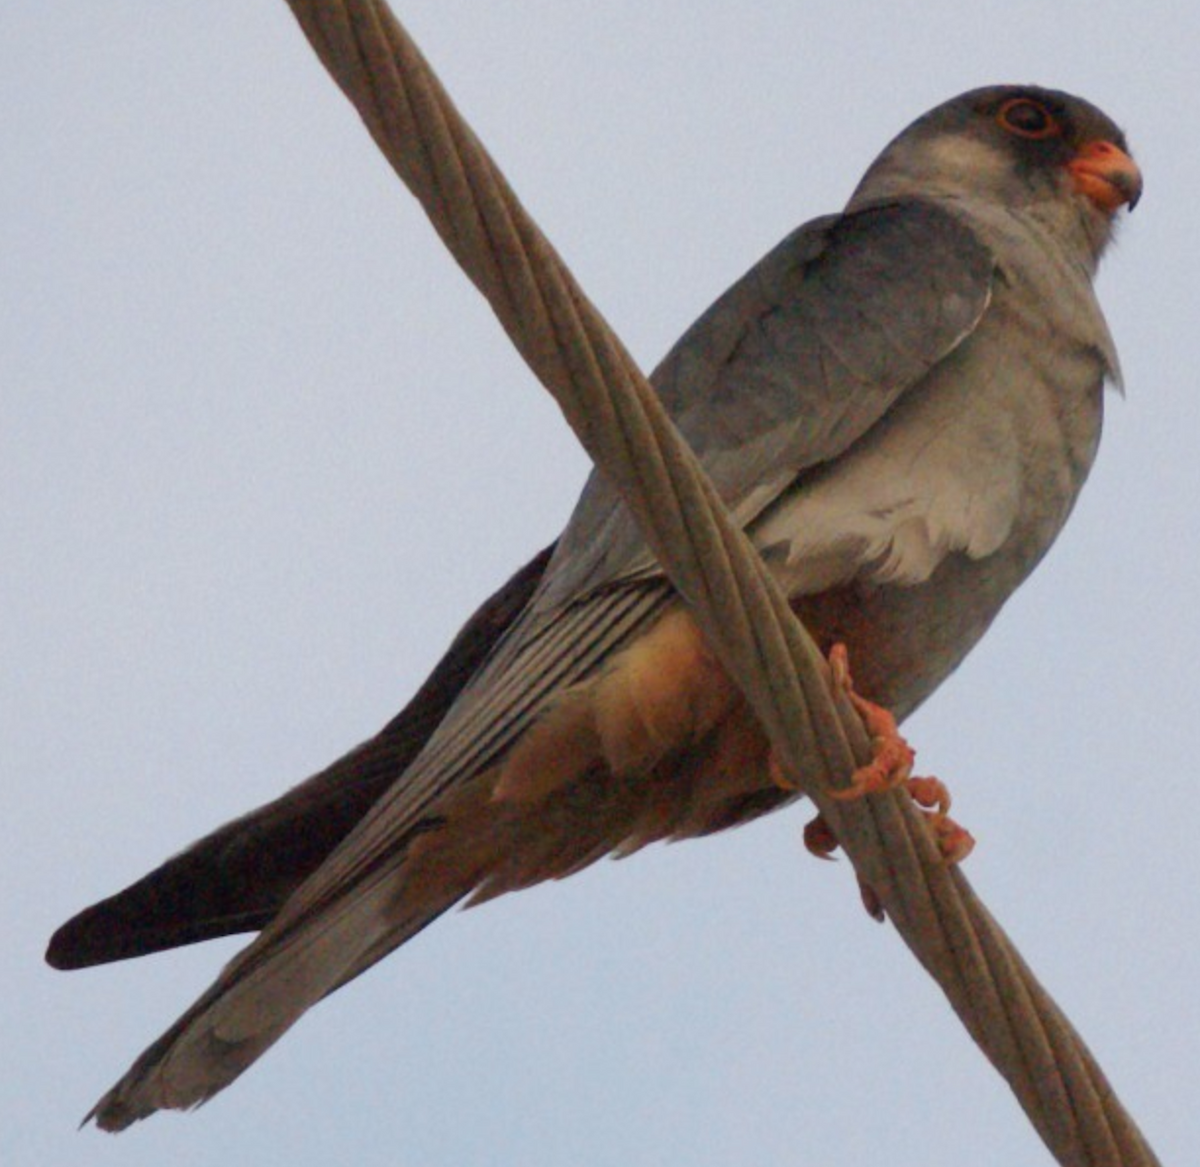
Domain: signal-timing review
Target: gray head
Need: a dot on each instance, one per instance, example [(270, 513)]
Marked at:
[(1036, 150)]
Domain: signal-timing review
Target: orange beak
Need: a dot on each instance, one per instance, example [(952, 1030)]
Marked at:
[(1106, 175)]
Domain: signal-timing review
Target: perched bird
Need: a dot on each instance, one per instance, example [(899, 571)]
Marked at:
[(899, 403)]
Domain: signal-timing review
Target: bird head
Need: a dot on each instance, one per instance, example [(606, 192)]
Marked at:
[(1037, 151)]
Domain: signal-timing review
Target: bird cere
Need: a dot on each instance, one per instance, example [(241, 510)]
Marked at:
[(899, 404)]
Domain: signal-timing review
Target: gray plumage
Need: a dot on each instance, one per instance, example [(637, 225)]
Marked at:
[(900, 403)]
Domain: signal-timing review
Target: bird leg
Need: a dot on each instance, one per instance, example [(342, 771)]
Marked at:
[(890, 767), (891, 756)]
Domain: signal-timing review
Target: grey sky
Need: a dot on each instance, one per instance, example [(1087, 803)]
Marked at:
[(263, 449)]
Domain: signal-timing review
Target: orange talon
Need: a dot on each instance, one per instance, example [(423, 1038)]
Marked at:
[(930, 794), (892, 757), (890, 767), (954, 842), (819, 839)]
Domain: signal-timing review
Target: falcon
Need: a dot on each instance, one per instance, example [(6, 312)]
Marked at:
[(899, 404)]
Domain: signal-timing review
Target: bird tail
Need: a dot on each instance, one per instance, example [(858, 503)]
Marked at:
[(235, 1021), (237, 878)]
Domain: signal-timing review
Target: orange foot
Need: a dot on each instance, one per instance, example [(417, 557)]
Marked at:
[(891, 756), (890, 767), (954, 842), (819, 839)]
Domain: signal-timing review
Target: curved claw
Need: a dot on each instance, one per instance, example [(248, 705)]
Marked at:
[(819, 839), (954, 842), (930, 794), (892, 757), (889, 768)]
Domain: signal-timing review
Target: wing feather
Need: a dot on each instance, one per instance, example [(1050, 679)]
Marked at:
[(793, 365)]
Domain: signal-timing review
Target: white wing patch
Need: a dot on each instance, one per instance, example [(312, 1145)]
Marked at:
[(941, 473)]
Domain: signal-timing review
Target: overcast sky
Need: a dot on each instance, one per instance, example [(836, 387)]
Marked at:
[(263, 448)]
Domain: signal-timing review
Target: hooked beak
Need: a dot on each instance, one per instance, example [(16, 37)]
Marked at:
[(1107, 175)]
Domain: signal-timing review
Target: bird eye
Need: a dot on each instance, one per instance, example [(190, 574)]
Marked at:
[(1028, 119)]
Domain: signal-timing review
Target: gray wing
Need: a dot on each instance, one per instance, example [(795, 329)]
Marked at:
[(794, 363), (783, 373), (788, 369), (237, 878), (798, 360)]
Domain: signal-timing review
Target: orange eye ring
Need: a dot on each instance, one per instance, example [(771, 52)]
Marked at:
[(1028, 119)]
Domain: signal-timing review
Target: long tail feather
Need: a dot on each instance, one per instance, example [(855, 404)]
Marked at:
[(236, 879)]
